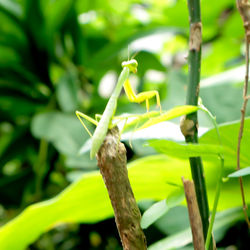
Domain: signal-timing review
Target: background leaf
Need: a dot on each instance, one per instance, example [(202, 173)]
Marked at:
[(161, 207), (64, 131), (241, 172), (185, 150)]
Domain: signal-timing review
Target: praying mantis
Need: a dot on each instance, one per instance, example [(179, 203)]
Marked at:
[(106, 119)]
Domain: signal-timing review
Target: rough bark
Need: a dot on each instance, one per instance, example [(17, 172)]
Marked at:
[(112, 163)]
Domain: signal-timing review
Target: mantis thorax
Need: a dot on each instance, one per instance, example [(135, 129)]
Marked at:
[(131, 64)]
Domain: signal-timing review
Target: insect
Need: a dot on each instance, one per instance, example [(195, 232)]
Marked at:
[(106, 119)]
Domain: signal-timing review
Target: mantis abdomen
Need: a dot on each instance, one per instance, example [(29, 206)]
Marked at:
[(104, 123)]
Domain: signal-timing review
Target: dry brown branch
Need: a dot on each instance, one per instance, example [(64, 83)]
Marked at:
[(112, 163), (194, 215)]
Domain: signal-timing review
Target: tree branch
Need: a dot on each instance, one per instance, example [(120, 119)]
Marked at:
[(112, 163)]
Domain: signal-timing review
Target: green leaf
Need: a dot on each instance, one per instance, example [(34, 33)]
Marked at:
[(81, 162), (215, 63), (67, 90), (77, 203), (171, 114), (229, 136), (56, 13), (214, 97), (175, 198), (185, 150), (64, 131), (17, 106), (109, 51), (176, 219), (14, 148), (33, 12), (174, 241), (241, 172), (223, 221), (150, 61), (224, 78), (154, 213), (162, 207), (226, 219), (11, 8), (9, 55)]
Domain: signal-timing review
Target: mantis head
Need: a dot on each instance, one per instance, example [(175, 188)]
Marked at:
[(131, 64)]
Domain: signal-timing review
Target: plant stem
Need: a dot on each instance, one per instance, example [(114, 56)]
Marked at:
[(243, 111), (244, 9), (218, 186), (191, 133)]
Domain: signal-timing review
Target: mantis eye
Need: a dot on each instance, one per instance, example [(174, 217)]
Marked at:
[(131, 64)]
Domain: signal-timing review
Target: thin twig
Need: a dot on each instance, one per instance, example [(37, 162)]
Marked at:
[(243, 111), (219, 183), (244, 9)]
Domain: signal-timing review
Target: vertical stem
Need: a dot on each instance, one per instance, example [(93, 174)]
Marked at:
[(244, 9), (219, 183), (243, 111), (190, 124)]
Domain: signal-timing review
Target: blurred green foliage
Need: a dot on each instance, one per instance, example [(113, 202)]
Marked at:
[(53, 57)]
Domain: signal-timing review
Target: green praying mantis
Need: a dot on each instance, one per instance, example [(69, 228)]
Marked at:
[(107, 117)]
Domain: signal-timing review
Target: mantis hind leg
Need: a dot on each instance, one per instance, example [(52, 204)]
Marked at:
[(88, 118)]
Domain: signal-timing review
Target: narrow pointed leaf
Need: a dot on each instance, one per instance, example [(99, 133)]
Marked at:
[(154, 213), (185, 150), (171, 114), (241, 172), (160, 208)]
